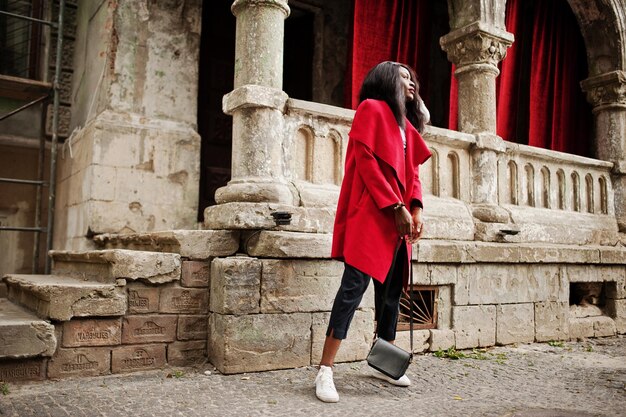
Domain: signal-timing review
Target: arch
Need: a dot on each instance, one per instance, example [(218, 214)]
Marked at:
[(545, 188), (453, 171), (575, 191), (337, 157), (434, 173), (589, 193), (560, 179), (530, 184), (603, 26), (604, 198), (513, 183), (303, 152)]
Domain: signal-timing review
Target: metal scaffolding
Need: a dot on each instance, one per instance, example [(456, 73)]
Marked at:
[(34, 92)]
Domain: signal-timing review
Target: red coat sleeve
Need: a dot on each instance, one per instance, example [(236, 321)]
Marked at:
[(369, 169), (416, 194)]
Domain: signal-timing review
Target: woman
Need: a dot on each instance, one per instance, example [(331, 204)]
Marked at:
[(379, 205)]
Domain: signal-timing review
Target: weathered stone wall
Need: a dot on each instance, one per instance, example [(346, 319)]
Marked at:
[(134, 164)]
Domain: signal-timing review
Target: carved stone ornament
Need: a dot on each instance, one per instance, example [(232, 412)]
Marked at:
[(239, 5), (606, 89), (474, 44)]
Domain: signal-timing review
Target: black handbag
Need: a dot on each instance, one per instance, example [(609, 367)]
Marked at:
[(384, 356)]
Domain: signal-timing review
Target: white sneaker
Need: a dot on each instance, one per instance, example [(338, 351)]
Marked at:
[(324, 385), (404, 380)]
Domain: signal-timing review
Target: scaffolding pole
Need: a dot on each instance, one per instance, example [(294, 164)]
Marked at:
[(55, 135)]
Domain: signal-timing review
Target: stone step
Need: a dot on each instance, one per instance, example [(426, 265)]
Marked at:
[(22, 334), (58, 297), (110, 265), (191, 244)]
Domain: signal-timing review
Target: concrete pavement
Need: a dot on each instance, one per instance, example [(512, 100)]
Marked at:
[(580, 379)]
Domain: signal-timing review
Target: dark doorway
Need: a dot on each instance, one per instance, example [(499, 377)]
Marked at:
[(298, 54), (217, 63)]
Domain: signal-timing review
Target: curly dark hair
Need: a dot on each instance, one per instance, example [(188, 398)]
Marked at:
[(383, 83)]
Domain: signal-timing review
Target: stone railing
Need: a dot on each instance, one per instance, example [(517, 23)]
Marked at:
[(541, 193), (534, 177)]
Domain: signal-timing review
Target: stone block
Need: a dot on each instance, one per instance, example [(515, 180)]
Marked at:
[(617, 310), (421, 340), (460, 291), (604, 326), (186, 353), (259, 342), (299, 285), (515, 323), (581, 328), (441, 339), (475, 326), (94, 332), (581, 273), (189, 244), (81, 362), (195, 274), (22, 334), (616, 275), (441, 251), (613, 255), (192, 327), (444, 307), (23, 370), (355, 347), (550, 253), (421, 273), (235, 285), (63, 297), (149, 328), (184, 300), (142, 298), (442, 274), (551, 321), (137, 358), (496, 284), (272, 244), (109, 264)]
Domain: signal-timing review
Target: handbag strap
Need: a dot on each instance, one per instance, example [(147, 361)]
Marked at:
[(387, 284)]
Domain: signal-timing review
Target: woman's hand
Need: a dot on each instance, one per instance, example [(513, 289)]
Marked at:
[(404, 222), (417, 226)]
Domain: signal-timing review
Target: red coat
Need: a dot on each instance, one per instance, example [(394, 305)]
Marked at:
[(378, 174)]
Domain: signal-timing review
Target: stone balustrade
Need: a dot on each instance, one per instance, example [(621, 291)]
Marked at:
[(535, 177), (540, 193)]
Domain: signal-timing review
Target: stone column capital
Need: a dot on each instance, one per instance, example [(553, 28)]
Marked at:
[(476, 44), (254, 96), (239, 5), (606, 90)]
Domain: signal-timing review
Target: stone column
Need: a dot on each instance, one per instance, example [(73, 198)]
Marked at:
[(257, 105), (607, 94), (476, 49)]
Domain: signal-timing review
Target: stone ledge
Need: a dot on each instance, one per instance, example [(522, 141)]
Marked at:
[(111, 264), (192, 244), (63, 297), (440, 251), (242, 216), (270, 244), (24, 335)]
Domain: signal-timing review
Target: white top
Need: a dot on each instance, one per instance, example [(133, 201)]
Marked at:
[(403, 137)]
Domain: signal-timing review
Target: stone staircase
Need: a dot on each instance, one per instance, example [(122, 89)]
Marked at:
[(141, 302)]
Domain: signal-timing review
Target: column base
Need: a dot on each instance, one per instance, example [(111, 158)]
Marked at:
[(246, 191)]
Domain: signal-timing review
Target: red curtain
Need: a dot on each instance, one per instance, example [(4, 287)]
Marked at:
[(395, 30), (539, 99), (453, 116)]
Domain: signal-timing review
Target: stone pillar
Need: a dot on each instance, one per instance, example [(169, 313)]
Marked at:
[(607, 94), (257, 106), (133, 163), (476, 49)]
